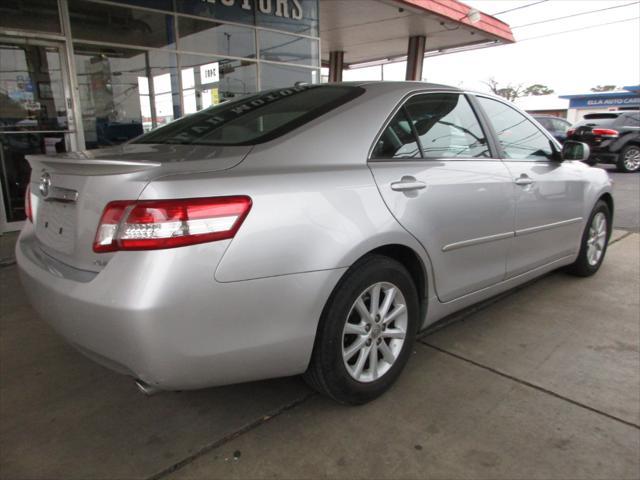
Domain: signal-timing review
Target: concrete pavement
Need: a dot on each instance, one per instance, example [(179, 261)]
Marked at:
[(626, 194), (543, 383)]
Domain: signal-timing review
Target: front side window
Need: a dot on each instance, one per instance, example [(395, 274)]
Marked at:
[(397, 140), (520, 139), (447, 126), (254, 119)]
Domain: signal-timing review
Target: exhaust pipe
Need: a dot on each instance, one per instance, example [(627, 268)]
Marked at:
[(147, 389)]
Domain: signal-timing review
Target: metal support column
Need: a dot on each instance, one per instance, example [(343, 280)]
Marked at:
[(336, 64), (415, 57)]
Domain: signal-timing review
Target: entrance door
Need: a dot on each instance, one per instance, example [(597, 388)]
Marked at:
[(35, 116)]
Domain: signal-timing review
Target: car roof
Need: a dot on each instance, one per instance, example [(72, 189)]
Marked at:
[(399, 85)]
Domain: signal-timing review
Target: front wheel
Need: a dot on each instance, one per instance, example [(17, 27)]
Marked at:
[(366, 332), (595, 240), (629, 159)]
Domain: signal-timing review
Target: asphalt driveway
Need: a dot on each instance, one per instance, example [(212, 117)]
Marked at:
[(543, 382)]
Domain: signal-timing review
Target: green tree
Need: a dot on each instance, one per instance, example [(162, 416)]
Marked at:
[(510, 92), (603, 88), (537, 89)]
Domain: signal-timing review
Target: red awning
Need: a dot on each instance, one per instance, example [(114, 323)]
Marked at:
[(378, 30)]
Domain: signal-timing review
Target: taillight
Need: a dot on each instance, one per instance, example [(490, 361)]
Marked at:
[(155, 224), (605, 132), (28, 209), (570, 132)]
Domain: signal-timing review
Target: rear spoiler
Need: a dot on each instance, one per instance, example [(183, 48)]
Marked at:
[(87, 167)]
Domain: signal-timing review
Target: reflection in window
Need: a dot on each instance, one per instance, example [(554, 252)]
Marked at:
[(206, 82), (276, 76), (32, 94), (201, 36), (446, 126), (39, 15), (300, 16), (127, 26), (118, 101), (278, 47), (520, 139)]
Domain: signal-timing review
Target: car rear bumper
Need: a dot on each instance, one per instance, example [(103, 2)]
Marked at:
[(161, 317)]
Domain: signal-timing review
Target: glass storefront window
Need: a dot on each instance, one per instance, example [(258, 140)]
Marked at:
[(299, 16), (239, 11), (124, 92), (127, 26), (39, 15), (208, 81), (277, 76), (31, 88), (157, 4), (279, 47), (202, 36)]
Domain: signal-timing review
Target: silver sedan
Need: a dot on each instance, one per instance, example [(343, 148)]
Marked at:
[(310, 230)]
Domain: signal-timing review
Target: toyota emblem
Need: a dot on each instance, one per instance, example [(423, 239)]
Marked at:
[(45, 184)]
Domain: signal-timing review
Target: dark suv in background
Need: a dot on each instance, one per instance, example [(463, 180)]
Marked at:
[(614, 137), (556, 126)]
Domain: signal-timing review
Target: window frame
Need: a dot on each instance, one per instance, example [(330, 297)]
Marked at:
[(499, 150), (491, 144)]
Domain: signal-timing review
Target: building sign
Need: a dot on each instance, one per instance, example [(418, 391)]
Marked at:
[(622, 100), (209, 73), (279, 8)]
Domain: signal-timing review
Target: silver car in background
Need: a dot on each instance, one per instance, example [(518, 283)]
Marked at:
[(310, 230)]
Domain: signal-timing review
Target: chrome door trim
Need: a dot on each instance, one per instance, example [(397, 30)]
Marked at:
[(477, 241), (61, 194), (548, 226)]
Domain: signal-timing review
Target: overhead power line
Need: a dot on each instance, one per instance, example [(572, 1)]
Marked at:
[(578, 29), (521, 6), (574, 15)]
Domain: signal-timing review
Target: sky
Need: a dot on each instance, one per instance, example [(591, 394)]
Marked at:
[(568, 63)]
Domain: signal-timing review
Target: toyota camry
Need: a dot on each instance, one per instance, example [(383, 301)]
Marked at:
[(308, 230)]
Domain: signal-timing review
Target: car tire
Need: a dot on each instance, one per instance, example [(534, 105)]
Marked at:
[(629, 159), (357, 378), (595, 241)]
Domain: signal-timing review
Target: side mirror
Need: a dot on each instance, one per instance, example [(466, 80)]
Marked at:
[(575, 151)]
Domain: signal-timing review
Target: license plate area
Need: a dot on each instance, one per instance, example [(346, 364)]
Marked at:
[(56, 226)]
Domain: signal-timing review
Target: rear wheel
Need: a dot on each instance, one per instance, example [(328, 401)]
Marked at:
[(595, 240), (366, 332), (629, 159)]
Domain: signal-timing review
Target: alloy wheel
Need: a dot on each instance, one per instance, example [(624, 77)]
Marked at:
[(374, 332), (632, 159), (597, 238)]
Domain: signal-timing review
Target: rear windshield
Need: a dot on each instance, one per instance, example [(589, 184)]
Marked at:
[(598, 120), (628, 119), (254, 119), (600, 116)]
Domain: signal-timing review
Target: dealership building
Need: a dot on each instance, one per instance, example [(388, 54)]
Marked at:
[(85, 74)]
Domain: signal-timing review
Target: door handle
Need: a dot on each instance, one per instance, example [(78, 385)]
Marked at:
[(407, 184), (524, 180)]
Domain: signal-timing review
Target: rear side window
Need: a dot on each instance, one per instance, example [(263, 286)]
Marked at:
[(397, 140), (445, 126), (520, 138), (255, 119)]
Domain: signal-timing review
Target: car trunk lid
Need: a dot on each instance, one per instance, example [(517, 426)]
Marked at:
[(70, 191)]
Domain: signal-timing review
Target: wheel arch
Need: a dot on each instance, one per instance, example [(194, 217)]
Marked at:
[(608, 199)]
